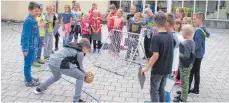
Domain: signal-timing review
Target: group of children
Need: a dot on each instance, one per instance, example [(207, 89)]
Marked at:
[(178, 48), (170, 43)]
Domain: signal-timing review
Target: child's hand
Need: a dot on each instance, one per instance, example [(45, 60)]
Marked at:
[(25, 53), (144, 70)]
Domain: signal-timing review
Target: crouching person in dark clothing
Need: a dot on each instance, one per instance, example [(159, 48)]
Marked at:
[(68, 61)]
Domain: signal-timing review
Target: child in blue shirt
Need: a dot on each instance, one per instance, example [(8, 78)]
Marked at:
[(199, 37), (29, 42)]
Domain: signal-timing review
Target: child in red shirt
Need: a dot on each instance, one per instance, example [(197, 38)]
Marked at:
[(111, 13), (117, 35), (96, 24), (85, 27), (91, 12)]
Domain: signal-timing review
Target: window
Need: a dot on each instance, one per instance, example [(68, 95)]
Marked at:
[(212, 10), (125, 5), (224, 10), (176, 4), (152, 5), (162, 6), (188, 7), (139, 5), (116, 3)]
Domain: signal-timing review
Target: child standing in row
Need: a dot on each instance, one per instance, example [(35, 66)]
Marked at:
[(130, 16), (187, 57), (148, 31), (117, 35), (85, 26), (199, 37), (177, 27), (135, 26), (29, 42), (41, 23), (96, 24), (187, 20), (66, 24), (77, 17), (49, 32), (111, 13)]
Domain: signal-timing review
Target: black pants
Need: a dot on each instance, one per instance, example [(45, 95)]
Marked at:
[(98, 45), (57, 40), (77, 31), (196, 72), (147, 47)]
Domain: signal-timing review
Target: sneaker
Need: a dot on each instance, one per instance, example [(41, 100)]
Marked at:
[(36, 64), (80, 100), (178, 96), (35, 79), (41, 61), (94, 50), (32, 83), (56, 49), (194, 91), (46, 59), (177, 100), (37, 91), (178, 92)]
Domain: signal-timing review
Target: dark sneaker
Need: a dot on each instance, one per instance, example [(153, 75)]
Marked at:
[(178, 92), (178, 96), (177, 100), (194, 91), (32, 83), (35, 79), (80, 100), (37, 91)]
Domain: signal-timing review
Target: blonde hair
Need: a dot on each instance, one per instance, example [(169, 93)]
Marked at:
[(85, 15), (78, 6), (187, 30), (94, 4), (187, 19), (138, 13), (69, 8), (49, 6), (120, 10)]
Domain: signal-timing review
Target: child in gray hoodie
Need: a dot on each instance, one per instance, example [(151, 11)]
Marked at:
[(68, 61)]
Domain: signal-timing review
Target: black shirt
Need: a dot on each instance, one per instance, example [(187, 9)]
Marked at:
[(129, 16), (163, 44)]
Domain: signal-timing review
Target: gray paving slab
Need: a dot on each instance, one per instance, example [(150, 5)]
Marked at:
[(108, 87)]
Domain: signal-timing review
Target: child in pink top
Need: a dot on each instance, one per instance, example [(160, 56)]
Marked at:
[(111, 13), (116, 35), (85, 27)]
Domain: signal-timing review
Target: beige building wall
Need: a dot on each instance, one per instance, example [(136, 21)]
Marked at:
[(18, 10)]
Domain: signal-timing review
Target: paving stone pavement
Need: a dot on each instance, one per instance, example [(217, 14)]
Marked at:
[(108, 87)]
